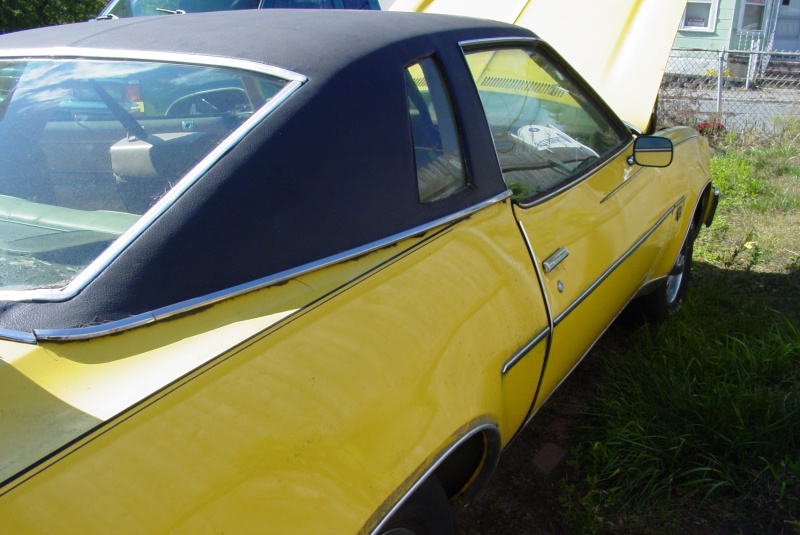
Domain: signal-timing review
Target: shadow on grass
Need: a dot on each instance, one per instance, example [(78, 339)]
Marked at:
[(740, 301)]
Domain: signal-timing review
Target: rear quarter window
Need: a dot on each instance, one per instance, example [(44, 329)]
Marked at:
[(437, 148)]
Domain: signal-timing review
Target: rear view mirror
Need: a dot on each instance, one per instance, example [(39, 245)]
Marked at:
[(652, 151)]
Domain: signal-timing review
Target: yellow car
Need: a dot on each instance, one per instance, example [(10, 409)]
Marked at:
[(321, 275)]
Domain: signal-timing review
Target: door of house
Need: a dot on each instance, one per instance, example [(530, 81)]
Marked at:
[(787, 30)]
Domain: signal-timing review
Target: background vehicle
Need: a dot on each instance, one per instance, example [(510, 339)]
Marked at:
[(141, 8)]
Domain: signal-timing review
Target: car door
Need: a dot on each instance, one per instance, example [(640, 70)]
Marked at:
[(441, 174), (593, 221)]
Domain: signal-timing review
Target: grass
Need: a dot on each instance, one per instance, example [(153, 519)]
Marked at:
[(694, 425)]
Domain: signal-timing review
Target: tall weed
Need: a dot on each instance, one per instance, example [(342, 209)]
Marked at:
[(759, 178), (691, 412)]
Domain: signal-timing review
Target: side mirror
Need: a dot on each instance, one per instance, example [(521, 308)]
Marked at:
[(652, 151)]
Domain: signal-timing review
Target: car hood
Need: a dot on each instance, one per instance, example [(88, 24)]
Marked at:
[(620, 47)]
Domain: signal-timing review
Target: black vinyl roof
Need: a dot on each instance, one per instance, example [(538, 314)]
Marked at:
[(311, 42), (330, 170)]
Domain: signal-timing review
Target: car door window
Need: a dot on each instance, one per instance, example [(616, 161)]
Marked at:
[(437, 149), (546, 131)]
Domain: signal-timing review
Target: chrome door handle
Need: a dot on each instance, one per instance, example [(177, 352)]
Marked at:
[(555, 259)]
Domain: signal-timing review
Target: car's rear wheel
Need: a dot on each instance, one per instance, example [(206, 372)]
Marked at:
[(427, 512), (668, 297)]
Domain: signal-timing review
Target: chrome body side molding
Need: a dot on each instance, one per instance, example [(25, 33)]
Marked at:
[(84, 333), (524, 351), (623, 184), (586, 293)]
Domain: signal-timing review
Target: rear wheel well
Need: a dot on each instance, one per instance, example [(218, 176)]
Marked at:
[(467, 469)]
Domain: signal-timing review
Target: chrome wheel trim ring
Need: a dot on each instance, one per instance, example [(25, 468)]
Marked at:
[(675, 278)]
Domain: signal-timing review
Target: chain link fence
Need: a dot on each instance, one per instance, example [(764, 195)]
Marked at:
[(740, 90)]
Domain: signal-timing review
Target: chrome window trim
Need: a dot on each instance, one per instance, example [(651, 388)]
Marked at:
[(632, 127), (17, 336), (617, 263), (579, 179), (200, 60), (494, 41), (90, 272), (85, 333), (510, 363)]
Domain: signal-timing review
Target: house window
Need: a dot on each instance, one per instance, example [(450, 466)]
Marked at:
[(700, 15), (752, 15)]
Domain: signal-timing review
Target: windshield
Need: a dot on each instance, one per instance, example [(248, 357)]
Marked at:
[(141, 8), (86, 147)]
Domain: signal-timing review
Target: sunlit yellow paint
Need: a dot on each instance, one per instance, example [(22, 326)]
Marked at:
[(688, 176), (105, 389), (314, 405), (319, 420), (598, 230)]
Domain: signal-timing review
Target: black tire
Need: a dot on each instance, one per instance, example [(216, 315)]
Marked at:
[(666, 300), (426, 512)]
